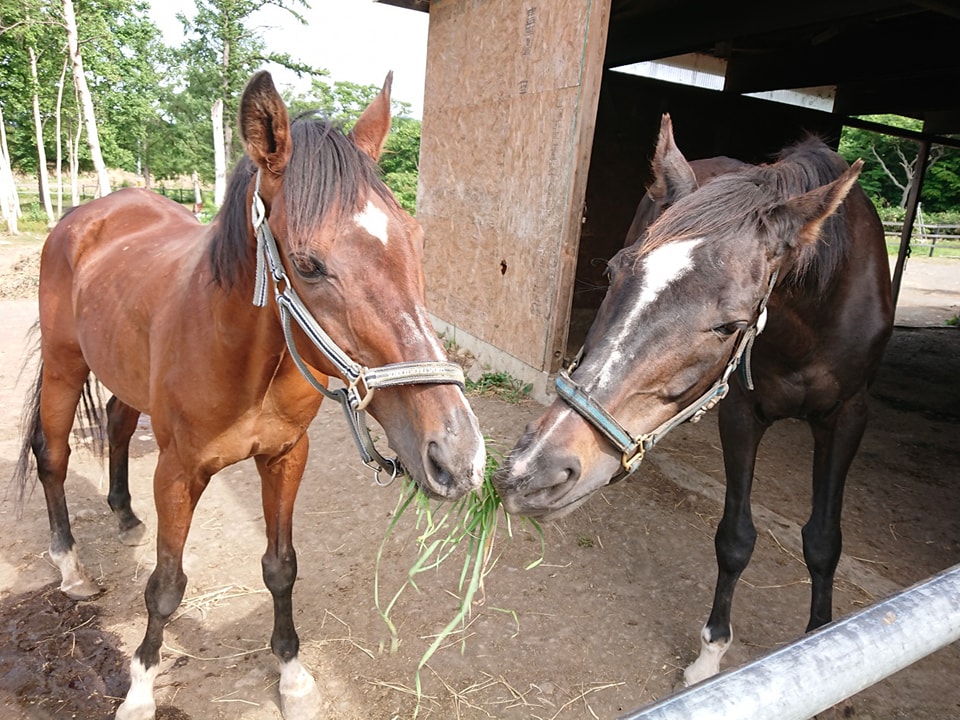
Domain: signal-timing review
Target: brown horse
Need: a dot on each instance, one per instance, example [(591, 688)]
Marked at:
[(796, 241), (160, 309)]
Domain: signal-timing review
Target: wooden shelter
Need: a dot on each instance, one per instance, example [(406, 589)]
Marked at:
[(534, 152)]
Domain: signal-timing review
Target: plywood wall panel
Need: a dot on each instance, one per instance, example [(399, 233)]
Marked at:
[(500, 151)]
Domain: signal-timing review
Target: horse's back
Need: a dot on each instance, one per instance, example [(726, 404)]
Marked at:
[(128, 215)]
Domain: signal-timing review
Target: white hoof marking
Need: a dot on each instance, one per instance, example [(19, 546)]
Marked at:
[(139, 703), (300, 697), (75, 581), (707, 663)]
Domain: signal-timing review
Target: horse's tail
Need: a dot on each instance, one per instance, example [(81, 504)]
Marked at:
[(31, 439), (90, 414)]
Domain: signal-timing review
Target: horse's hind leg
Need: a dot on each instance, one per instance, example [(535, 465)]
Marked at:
[(60, 392), (121, 424), (740, 435), (836, 439), (280, 478)]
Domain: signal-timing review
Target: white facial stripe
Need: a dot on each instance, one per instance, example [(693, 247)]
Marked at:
[(521, 465), (663, 266), (418, 328), (374, 221)]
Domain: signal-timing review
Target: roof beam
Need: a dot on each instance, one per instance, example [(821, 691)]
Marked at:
[(654, 32), (914, 98), (861, 53)]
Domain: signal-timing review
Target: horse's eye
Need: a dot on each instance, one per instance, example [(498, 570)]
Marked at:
[(309, 267), (728, 329)]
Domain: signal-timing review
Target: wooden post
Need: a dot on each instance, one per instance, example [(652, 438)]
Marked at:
[(913, 203), (509, 109)]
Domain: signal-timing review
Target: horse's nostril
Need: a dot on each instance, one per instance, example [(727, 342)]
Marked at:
[(436, 467)]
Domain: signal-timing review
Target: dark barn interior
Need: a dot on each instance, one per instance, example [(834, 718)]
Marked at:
[(880, 57)]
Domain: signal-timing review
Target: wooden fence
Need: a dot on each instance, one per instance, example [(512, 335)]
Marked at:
[(944, 240)]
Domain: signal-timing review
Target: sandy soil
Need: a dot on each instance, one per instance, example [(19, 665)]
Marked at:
[(603, 625)]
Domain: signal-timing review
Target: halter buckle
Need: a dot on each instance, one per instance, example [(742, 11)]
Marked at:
[(630, 463)]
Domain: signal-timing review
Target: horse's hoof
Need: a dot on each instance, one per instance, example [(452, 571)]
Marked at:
[(302, 707), (80, 589), (133, 536), (136, 711), (300, 697)]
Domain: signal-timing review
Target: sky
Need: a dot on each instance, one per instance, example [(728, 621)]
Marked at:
[(356, 40)]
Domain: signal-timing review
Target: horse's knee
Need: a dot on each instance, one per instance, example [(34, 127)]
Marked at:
[(821, 548), (279, 572), (734, 543), (163, 594)]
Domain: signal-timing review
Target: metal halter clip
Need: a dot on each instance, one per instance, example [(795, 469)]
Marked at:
[(377, 469)]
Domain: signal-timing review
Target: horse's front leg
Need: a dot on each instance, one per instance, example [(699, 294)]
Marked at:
[(121, 424), (836, 439), (280, 478), (176, 492), (740, 435)]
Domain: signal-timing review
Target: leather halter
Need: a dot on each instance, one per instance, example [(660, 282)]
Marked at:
[(632, 448), (355, 375)]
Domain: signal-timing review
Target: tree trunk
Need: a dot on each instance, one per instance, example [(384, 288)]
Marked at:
[(86, 101), (75, 165), (9, 202), (63, 77), (227, 131), (42, 177), (219, 158)]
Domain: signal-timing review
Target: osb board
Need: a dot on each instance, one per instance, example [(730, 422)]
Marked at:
[(505, 103)]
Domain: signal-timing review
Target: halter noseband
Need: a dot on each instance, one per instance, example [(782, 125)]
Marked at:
[(632, 448), (355, 375)]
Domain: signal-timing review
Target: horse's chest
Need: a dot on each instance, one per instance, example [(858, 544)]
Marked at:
[(795, 392)]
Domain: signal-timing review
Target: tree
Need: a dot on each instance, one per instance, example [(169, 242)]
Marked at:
[(400, 161), (86, 100), (9, 202), (890, 165), (224, 48), (342, 103), (42, 178)]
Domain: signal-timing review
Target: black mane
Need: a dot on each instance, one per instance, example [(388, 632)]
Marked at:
[(730, 204), (802, 167), (326, 173)]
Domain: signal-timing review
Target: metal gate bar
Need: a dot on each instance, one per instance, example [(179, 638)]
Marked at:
[(823, 668)]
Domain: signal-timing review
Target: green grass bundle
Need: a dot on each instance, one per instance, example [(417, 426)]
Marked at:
[(469, 526)]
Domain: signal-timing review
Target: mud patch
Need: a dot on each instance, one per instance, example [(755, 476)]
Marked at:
[(56, 660)]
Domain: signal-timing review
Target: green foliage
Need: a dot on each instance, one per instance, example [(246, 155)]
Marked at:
[(941, 190), (400, 161), (152, 102), (342, 103), (502, 384)]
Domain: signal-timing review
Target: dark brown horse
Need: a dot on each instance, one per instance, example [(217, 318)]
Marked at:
[(678, 330), (160, 309)]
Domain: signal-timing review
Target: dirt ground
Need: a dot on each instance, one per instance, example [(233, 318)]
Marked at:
[(602, 626)]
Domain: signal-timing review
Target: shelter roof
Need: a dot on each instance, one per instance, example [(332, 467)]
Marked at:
[(882, 56)]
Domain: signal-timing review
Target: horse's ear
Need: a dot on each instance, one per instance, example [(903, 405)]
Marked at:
[(801, 218), (265, 125), (371, 130), (673, 176)]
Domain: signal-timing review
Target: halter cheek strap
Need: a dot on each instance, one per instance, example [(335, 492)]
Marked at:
[(356, 376), (632, 448)]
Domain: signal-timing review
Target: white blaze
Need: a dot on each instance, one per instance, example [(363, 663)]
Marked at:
[(374, 221), (664, 265)]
